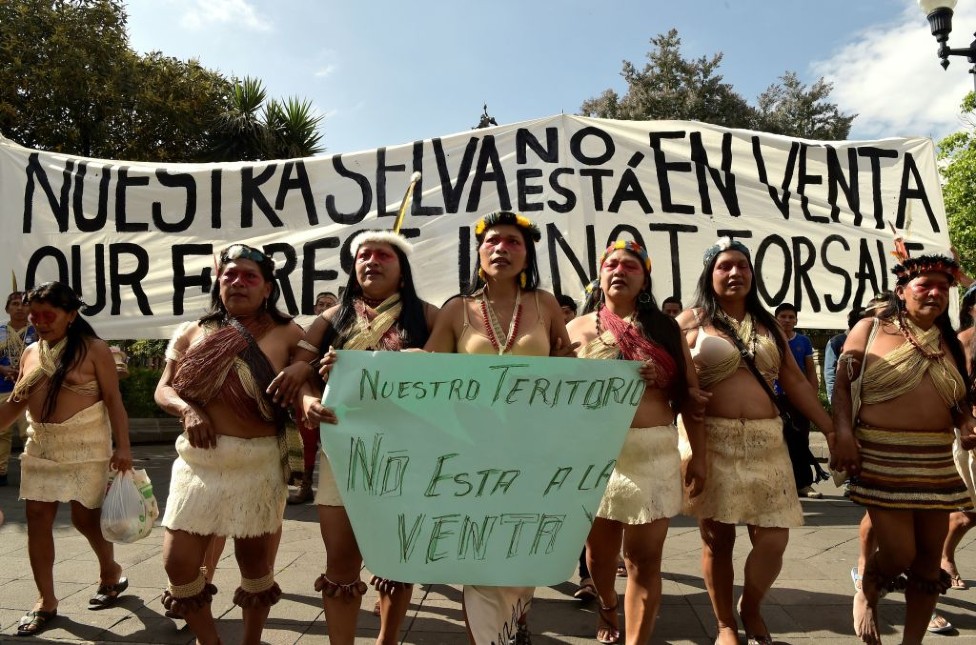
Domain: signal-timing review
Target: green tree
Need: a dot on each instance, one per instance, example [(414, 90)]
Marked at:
[(672, 87), (791, 108), (69, 82), (171, 107), (64, 67), (957, 160)]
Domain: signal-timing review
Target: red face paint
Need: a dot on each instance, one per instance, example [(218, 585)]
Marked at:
[(46, 317), (247, 278)]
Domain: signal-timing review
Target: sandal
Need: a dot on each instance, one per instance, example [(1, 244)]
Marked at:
[(586, 591), (757, 639), (35, 621), (108, 595), (939, 625), (957, 582), (607, 624)]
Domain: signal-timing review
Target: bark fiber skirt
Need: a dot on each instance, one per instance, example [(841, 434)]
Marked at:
[(646, 481), (236, 489), (68, 461), (327, 492), (750, 477)]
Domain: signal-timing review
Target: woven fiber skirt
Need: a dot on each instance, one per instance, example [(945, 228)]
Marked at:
[(750, 478), (68, 461), (908, 469), (646, 481), (236, 489), (327, 493)]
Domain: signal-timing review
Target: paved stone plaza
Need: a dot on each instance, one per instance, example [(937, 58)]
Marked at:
[(811, 602)]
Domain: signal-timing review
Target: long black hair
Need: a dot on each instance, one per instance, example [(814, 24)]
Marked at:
[(654, 325), (217, 311), (412, 321), (79, 332), (706, 300), (530, 235), (895, 308), (966, 308)]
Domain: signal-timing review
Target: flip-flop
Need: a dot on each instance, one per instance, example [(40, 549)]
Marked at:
[(958, 582), (607, 621), (856, 577), (35, 621), (939, 625), (108, 595)]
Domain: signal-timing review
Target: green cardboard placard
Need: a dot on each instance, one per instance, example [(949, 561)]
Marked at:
[(468, 469)]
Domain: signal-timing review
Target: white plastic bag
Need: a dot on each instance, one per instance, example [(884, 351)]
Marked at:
[(129, 509)]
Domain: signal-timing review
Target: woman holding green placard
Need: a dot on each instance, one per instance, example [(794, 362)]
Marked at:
[(502, 312), (379, 310), (622, 320)]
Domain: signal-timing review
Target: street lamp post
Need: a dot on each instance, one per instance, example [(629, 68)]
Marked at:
[(939, 14)]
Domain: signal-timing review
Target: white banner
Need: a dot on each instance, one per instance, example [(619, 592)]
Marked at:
[(136, 240)]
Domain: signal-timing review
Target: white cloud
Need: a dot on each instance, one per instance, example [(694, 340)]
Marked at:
[(325, 71), (892, 79), (206, 13)]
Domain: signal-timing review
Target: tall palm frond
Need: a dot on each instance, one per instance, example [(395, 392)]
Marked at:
[(292, 129)]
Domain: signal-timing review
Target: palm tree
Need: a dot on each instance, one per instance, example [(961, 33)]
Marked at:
[(291, 129), (252, 129), (240, 131)]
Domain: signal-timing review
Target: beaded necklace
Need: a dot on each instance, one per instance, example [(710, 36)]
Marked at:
[(493, 327), (745, 330), (905, 327), (362, 316)]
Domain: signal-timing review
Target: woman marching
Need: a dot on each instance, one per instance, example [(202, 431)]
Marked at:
[(900, 450), (502, 312), (70, 388), (622, 320), (229, 477), (379, 310), (738, 351)]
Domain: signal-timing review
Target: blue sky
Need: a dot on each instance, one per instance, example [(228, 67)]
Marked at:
[(384, 73)]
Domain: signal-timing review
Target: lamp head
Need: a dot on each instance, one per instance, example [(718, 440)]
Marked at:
[(939, 14)]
